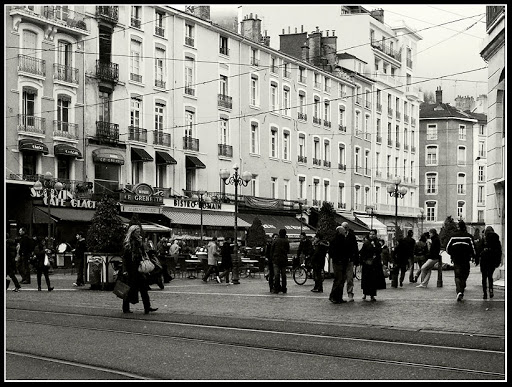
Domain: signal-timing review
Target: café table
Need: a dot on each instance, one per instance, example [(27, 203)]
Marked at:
[(192, 266)]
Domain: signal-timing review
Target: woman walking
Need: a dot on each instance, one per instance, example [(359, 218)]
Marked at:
[(320, 247), (133, 253), (433, 257), (370, 259), (420, 255), (489, 259), (40, 251)]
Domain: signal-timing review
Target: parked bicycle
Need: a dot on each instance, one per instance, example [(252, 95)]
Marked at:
[(303, 271)]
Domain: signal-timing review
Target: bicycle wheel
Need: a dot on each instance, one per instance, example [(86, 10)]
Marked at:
[(300, 275), (357, 272)]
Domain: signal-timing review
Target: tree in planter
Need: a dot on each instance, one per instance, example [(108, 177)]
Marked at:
[(256, 234), (327, 221)]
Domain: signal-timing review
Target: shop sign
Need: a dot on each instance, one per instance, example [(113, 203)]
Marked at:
[(142, 194), (141, 209), (63, 198), (187, 203)]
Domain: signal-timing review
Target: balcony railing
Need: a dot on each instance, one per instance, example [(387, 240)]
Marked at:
[(65, 129), (302, 78), (225, 101), (32, 65), (342, 128), (342, 205), (107, 131), (342, 167), (317, 120), (134, 22), (64, 16), (225, 150), (65, 73), (390, 112), (327, 123), (109, 13), (255, 62), (302, 116), (224, 50), (136, 77), (191, 143), (189, 41), (137, 134), (159, 31), (317, 162), (317, 202), (107, 71), (160, 138), (160, 83), (302, 159), (31, 124), (190, 91), (327, 164)]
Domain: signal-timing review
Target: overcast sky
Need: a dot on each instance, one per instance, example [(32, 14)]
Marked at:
[(444, 50)]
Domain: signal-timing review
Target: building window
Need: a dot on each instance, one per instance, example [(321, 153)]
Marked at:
[(357, 155), (286, 146), (461, 209), (327, 152), (189, 75), (189, 35), (159, 116), (461, 183), (273, 187), (106, 177), (160, 68), (327, 111), (223, 42), (461, 155), (135, 112), (273, 98), (367, 162), (302, 104), (224, 131), (481, 173), (481, 194), (136, 16), (63, 113), (29, 160), (159, 24), (327, 191), (431, 214), (302, 147), (481, 149), (341, 156), (286, 101), (189, 123), (161, 173), (316, 112), (286, 187), (273, 142), (316, 149), (315, 191), (432, 132), (302, 188), (431, 184), (462, 132), (135, 60), (255, 97), (431, 155), (255, 149), (481, 130)]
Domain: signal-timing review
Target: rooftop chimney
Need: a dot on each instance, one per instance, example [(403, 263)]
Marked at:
[(251, 28), (439, 95)]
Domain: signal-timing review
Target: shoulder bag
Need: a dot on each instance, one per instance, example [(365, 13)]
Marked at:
[(145, 265), (121, 289)]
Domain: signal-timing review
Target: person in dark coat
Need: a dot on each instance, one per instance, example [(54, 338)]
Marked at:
[(26, 250), (409, 251), (462, 250), (268, 255), (226, 262), (41, 269), (305, 249), (489, 258), (420, 254), (320, 247), (433, 257), (79, 251), (353, 259), (10, 264), (338, 253), (400, 262), (370, 259), (279, 251), (133, 253)]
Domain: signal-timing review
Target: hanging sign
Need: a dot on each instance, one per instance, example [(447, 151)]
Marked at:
[(142, 194)]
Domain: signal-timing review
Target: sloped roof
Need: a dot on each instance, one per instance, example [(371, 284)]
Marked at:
[(442, 110)]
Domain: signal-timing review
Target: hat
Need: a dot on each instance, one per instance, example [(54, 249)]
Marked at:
[(339, 228), (344, 225)]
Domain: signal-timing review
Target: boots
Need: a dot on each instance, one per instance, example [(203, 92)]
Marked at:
[(491, 292), (485, 294)]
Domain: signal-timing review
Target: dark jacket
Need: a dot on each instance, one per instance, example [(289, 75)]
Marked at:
[(279, 251), (370, 251), (80, 248), (131, 260), (352, 248), (461, 247), (225, 253), (305, 247), (420, 249), (26, 246), (490, 255), (435, 248), (401, 253), (320, 249), (10, 256), (409, 244), (39, 253), (338, 249)]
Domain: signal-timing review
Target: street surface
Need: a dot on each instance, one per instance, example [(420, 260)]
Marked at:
[(242, 332)]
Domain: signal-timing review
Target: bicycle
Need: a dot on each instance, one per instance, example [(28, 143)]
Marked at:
[(302, 272)]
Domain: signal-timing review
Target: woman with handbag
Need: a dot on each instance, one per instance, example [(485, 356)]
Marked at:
[(42, 263), (133, 257), (370, 259)]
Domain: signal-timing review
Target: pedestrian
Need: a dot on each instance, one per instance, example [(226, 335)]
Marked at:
[(433, 257), (489, 259), (370, 259), (462, 250), (386, 260), (305, 249), (148, 246), (320, 248), (133, 254), (268, 255), (162, 251), (174, 252), (279, 251), (338, 253), (213, 257), (26, 251), (227, 263), (478, 240), (400, 262), (41, 254), (10, 264), (353, 259), (79, 252), (410, 242), (420, 254)]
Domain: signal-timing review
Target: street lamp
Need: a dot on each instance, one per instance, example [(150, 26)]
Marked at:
[(369, 211), (302, 208), (235, 180), (47, 187), (201, 202), (421, 217), (397, 193)]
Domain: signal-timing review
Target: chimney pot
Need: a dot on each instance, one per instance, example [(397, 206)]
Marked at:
[(302, 28), (288, 29), (327, 32), (250, 15), (295, 29)]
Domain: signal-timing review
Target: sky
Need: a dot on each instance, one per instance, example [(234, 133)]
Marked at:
[(444, 50)]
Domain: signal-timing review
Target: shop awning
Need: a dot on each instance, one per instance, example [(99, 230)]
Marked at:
[(164, 158), (354, 224), (273, 223), (67, 150), (140, 155), (375, 223), (194, 163), (65, 214), (210, 218), (28, 144), (154, 227), (107, 156)]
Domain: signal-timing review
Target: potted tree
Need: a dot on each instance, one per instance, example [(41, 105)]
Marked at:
[(256, 241), (327, 226)]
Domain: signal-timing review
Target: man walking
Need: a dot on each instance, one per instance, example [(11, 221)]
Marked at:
[(353, 259), (26, 249), (79, 258), (305, 249), (338, 254), (279, 252), (410, 243), (461, 249)]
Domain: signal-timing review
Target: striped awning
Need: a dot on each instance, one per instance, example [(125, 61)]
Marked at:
[(210, 218)]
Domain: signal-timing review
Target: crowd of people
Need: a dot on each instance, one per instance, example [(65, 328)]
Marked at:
[(417, 258)]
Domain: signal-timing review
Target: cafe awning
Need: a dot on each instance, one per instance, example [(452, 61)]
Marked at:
[(375, 223), (273, 223), (193, 162), (58, 214), (210, 218), (67, 150), (357, 226), (28, 144), (107, 156), (164, 158), (140, 155), (154, 227)]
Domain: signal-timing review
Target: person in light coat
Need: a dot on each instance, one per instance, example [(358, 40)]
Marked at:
[(213, 258)]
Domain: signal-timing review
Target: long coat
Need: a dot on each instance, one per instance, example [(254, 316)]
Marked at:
[(131, 260), (370, 252)]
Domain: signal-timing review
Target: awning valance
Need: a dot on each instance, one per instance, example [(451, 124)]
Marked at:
[(273, 223), (164, 158), (194, 163), (107, 156), (375, 223), (357, 226), (210, 218), (67, 150), (65, 214), (140, 155), (31, 145)]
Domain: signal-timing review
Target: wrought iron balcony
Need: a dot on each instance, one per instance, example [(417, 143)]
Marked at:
[(190, 91), (342, 167), (224, 101), (135, 22), (225, 150), (191, 143), (31, 124), (327, 123), (302, 159), (189, 41), (31, 65), (64, 16), (317, 120), (224, 50), (342, 128), (136, 77), (160, 138), (65, 73), (107, 71), (137, 134), (327, 164), (302, 116), (65, 129), (107, 131), (108, 13), (342, 205), (160, 83), (159, 31), (317, 162)]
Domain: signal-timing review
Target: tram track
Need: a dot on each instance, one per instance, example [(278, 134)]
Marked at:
[(281, 342)]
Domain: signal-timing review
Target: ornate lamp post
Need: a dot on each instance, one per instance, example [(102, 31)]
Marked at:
[(302, 208), (201, 202), (235, 180), (47, 187), (421, 217), (397, 193), (369, 211)]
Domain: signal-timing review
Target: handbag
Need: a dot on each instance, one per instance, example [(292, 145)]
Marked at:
[(121, 289), (145, 265)]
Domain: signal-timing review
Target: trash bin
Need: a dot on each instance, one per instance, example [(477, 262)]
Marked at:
[(94, 268)]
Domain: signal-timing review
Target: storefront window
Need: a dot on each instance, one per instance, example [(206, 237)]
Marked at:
[(106, 177), (29, 163)]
